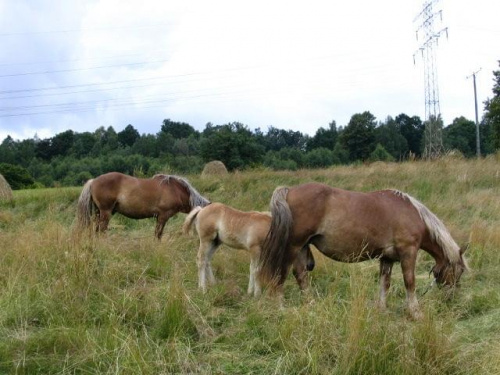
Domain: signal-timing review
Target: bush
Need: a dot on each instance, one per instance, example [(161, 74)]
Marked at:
[(319, 158), (17, 177), (380, 154)]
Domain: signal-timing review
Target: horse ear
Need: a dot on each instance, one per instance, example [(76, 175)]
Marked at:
[(464, 248)]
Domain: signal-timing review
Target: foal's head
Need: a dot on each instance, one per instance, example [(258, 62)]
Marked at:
[(449, 274)]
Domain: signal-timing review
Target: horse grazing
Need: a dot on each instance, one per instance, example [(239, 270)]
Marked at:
[(352, 227), (219, 224), (161, 196)]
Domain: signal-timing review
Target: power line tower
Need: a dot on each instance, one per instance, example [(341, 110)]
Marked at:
[(426, 21)]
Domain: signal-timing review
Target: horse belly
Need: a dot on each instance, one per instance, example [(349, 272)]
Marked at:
[(349, 249), (134, 211)]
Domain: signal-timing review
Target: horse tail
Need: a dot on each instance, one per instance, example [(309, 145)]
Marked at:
[(190, 219), (85, 206), (274, 258), (437, 230)]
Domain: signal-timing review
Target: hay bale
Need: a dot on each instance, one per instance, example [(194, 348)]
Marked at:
[(5, 190), (214, 168)]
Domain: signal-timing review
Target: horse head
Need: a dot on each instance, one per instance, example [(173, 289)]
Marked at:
[(449, 274)]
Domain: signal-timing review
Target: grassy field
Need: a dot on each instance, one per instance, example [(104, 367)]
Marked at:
[(124, 303)]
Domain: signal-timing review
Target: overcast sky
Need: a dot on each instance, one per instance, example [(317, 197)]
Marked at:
[(290, 64)]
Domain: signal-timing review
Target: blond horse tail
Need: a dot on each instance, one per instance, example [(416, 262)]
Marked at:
[(190, 219), (274, 258), (85, 206), (437, 230)]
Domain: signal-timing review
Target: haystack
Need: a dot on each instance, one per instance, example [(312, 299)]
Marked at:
[(214, 168), (5, 190)]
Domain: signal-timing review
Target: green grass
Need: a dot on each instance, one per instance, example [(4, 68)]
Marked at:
[(125, 303)]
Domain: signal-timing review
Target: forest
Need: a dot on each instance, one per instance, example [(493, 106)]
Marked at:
[(70, 158)]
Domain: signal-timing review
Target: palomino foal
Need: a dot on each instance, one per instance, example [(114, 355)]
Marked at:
[(218, 224)]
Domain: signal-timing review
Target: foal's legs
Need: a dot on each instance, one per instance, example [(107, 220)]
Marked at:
[(253, 281), (385, 280), (408, 261), (210, 272), (205, 252)]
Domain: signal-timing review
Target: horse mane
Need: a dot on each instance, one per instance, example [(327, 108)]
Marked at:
[(439, 233), (195, 198)]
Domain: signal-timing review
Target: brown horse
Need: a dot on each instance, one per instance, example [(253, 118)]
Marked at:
[(161, 196), (218, 224), (352, 227)]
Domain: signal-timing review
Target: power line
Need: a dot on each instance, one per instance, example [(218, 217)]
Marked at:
[(80, 69), (22, 33)]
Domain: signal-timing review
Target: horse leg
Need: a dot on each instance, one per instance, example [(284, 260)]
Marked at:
[(207, 248), (103, 220), (408, 267), (385, 280), (209, 271), (253, 282), (300, 268), (161, 220)]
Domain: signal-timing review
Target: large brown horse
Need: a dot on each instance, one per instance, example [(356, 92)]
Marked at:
[(352, 227), (161, 196), (219, 224)]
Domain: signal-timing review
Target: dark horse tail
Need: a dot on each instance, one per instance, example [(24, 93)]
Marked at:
[(86, 206), (274, 256)]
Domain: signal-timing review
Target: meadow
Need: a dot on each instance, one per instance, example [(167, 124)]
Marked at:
[(124, 303)]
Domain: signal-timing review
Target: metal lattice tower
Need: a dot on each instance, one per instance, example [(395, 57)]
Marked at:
[(433, 125)]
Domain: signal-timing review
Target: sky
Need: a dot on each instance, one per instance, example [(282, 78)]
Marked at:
[(289, 64)]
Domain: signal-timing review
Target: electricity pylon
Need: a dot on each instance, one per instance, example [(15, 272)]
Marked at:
[(426, 29)]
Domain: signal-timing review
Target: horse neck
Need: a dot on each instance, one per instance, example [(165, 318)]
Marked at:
[(437, 252), (183, 195)]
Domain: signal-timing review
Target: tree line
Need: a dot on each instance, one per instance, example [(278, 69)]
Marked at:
[(70, 158)]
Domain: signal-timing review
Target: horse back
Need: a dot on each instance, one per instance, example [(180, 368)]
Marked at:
[(136, 197), (340, 222), (235, 228)]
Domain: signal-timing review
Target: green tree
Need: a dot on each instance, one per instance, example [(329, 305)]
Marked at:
[(233, 144), (389, 136), (128, 136), (412, 128), (358, 137), (492, 112), (340, 154), (461, 136), (178, 129), (276, 139), (83, 144), (8, 150), (380, 154), (319, 158), (17, 176), (147, 145), (325, 138), (61, 143)]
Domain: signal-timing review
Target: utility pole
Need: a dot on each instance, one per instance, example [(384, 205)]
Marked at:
[(478, 141), (433, 127)]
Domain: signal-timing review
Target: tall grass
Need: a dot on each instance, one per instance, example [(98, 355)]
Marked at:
[(126, 303)]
